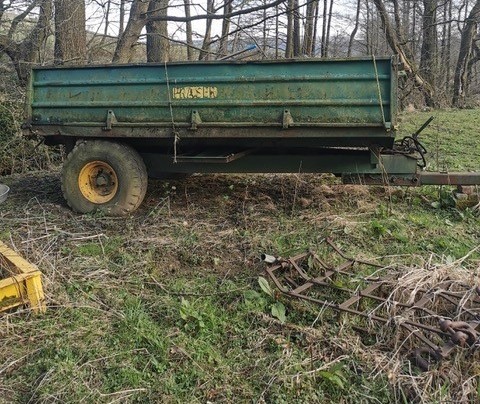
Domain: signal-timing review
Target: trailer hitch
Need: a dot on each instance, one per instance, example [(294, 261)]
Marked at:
[(410, 145)]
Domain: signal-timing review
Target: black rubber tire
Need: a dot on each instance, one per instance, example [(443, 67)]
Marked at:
[(128, 166)]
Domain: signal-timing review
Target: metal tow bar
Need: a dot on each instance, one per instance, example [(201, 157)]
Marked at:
[(441, 318)]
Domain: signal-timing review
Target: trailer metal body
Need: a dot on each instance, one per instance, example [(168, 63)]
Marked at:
[(318, 115)]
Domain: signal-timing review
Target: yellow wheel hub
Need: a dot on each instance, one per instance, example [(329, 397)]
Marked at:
[(98, 182)]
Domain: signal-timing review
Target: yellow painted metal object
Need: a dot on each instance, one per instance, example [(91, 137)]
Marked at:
[(98, 182), (24, 287)]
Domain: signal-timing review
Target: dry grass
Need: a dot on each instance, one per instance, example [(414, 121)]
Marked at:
[(388, 349), (200, 239), (456, 378)]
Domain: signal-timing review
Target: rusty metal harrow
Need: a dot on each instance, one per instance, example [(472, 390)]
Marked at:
[(440, 318)]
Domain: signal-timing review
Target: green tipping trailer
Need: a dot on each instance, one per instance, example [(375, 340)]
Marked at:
[(122, 123)]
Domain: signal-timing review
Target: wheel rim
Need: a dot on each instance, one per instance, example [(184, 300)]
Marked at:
[(98, 182)]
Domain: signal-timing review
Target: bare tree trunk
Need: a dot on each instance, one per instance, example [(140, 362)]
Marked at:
[(428, 59), (355, 29), (136, 22), (368, 31), (277, 32), (107, 19), (444, 51), (315, 28), (223, 47), (329, 26), (188, 29), (296, 30), (414, 28), (308, 38), (158, 45), (264, 45), (122, 18), (324, 29), (289, 45), (70, 32), (449, 49), (205, 52), (398, 49), (460, 81)]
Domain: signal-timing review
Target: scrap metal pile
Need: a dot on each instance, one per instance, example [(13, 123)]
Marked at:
[(439, 319)]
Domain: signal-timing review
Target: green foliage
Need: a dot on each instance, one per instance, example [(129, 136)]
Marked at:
[(279, 311), (17, 153), (277, 308), (191, 316), (265, 286), (9, 121), (334, 376)]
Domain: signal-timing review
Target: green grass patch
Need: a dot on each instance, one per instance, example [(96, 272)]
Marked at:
[(166, 305)]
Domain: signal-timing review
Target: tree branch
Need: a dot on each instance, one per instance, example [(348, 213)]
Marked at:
[(213, 16)]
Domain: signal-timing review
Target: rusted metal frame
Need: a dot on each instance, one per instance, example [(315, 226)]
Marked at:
[(343, 255), (415, 179), (449, 346), (297, 267), (416, 329), (435, 351), (384, 320), (456, 178), (419, 335), (271, 270), (320, 280), (419, 305), (439, 292), (444, 350), (339, 269), (226, 158), (363, 293), (326, 275), (443, 292), (455, 303), (460, 295)]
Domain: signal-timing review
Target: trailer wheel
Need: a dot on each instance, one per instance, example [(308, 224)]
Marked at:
[(106, 176)]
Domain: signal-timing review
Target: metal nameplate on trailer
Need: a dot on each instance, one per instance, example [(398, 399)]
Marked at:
[(183, 93)]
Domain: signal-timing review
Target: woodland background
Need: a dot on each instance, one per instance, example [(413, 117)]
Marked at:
[(436, 40), (165, 305)]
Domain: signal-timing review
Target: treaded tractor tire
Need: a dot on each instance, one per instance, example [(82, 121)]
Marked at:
[(99, 175)]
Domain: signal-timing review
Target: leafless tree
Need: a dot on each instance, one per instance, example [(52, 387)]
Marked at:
[(70, 33), (466, 56), (132, 31), (428, 58), (27, 51), (355, 29), (188, 30), (158, 45)]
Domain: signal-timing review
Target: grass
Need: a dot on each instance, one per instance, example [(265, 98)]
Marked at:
[(165, 305)]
